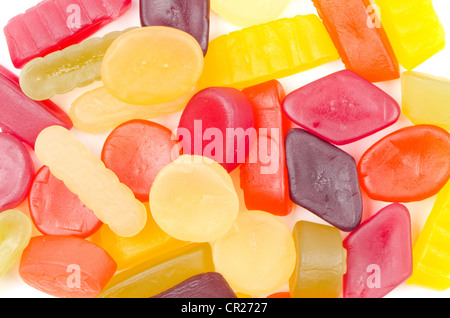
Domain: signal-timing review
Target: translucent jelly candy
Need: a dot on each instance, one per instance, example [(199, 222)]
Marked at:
[(323, 179), (61, 71), (131, 251), (189, 16), (55, 210), (16, 172), (321, 261), (223, 113), (280, 295), (16, 108), (249, 12), (86, 175), (205, 285), (15, 229), (267, 167), (379, 254), (410, 164), (152, 65), (257, 255), (341, 108), (413, 28), (53, 25), (66, 266), (136, 151), (160, 273), (425, 99), (361, 42), (268, 51), (193, 199), (431, 257), (97, 110)]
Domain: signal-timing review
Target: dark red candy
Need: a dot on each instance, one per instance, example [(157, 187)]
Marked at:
[(323, 179), (341, 108), (16, 172), (189, 16), (379, 254), (205, 285), (55, 210)]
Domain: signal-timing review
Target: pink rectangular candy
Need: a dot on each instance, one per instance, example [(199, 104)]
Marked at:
[(23, 117)]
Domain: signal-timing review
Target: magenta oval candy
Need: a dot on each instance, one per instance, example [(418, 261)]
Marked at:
[(16, 172), (218, 123), (341, 108)]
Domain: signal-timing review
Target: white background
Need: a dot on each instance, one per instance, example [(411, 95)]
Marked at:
[(12, 286)]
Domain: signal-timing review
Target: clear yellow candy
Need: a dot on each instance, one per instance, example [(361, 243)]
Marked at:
[(413, 28), (426, 99), (267, 51), (97, 110), (194, 199), (131, 251), (257, 255), (152, 65), (249, 12), (15, 233), (431, 255), (86, 175), (160, 273)]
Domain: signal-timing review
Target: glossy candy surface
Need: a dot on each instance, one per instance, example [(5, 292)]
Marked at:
[(413, 28), (379, 254), (97, 110), (249, 12), (61, 71), (217, 123), (52, 25), (189, 16), (16, 108), (15, 229), (257, 255), (425, 99), (362, 44), (321, 261), (267, 51), (431, 257), (66, 266), (410, 164), (55, 210), (323, 179), (341, 108), (193, 199), (136, 151), (161, 272), (85, 175), (205, 285), (267, 165), (16, 172), (152, 65)]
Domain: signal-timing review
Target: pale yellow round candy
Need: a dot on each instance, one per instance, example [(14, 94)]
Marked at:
[(152, 65), (194, 199), (257, 256)]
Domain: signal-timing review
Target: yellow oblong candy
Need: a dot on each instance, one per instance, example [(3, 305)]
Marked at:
[(152, 65), (249, 12), (267, 51), (86, 175), (15, 233), (257, 255), (194, 199)]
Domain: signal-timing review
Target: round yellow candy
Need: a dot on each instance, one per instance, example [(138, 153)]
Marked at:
[(257, 256), (152, 65), (194, 199), (249, 12)]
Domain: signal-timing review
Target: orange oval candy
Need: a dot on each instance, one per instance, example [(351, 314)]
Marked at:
[(409, 165)]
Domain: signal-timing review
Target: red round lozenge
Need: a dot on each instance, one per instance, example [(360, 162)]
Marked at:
[(55, 210)]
